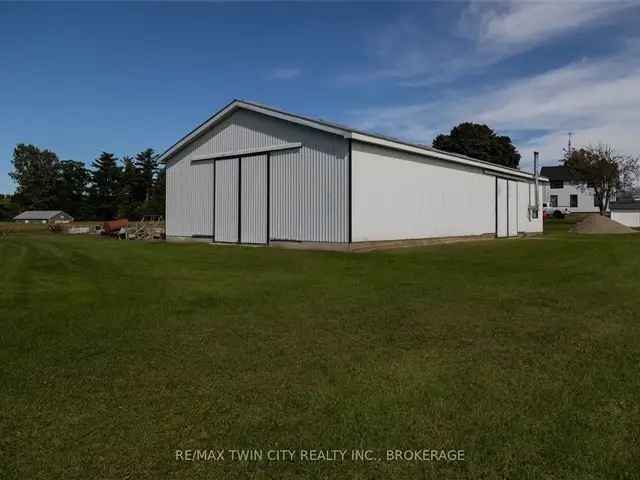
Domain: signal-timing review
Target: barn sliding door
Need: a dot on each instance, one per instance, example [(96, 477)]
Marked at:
[(227, 191), (253, 199), (506, 208), (241, 203), (502, 208), (512, 221)]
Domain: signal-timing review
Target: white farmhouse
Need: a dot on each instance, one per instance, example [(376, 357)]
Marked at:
[(567, 193), (256, 174)]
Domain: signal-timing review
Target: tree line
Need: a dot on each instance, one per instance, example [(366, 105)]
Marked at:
[(111, 188), (135, 186)]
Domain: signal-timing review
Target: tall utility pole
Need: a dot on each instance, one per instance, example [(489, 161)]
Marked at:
[(569, 143)]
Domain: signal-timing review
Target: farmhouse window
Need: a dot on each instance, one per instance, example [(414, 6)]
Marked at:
[(556, 183), (554, 200), (573, 201)]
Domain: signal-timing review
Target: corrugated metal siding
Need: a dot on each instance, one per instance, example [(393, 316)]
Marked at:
[(189, 207), (526, 197), (245, 129), (254, 199), (226, 200), (309, 190), (400, 195), (309, 196), (502, 198), (513, 208)]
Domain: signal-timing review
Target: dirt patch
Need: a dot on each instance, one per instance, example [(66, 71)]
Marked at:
[(598, 224), (363, 247)]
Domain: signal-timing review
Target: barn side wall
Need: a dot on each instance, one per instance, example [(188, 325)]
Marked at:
[(308, 188), (526, 197), (399, 195), (189, 201)]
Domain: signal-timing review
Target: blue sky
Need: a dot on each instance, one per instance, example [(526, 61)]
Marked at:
[(81, 78)]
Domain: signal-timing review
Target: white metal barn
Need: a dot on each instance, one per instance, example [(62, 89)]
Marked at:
[(254, 174)]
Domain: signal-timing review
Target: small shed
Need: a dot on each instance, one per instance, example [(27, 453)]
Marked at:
[(44, 216), (626, 213)]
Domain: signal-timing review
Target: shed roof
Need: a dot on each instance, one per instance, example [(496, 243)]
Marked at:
[(337, 129), (38, 214), (628, 205)]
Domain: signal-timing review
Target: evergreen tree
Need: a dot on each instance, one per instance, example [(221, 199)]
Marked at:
[(128, 204), (71, 189), (157, 204), (8, 208), (147, 165), (105, 186)]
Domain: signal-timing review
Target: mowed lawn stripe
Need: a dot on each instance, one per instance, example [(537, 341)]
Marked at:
[(523, 353)]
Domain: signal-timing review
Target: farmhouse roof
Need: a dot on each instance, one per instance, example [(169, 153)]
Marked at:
[(560, 172)]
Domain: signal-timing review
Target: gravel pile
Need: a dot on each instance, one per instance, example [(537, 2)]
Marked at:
[(599, 224)]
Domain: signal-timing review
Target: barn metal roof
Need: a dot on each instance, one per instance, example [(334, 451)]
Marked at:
[(346, 132), (38, 214)]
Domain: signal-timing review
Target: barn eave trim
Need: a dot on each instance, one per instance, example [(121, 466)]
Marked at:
[(246, 152)]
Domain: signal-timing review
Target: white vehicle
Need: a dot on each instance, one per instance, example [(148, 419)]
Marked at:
[(551, 211)]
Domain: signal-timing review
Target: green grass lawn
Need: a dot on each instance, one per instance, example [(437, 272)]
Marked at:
[(523, 353)]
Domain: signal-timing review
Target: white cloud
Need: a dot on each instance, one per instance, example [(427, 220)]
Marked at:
[(414, 56), (284, 73), (405, 51), (599, 101), (576, 94), (514, 26)]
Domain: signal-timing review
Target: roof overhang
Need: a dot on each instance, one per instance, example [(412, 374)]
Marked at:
[(239, 104), (486, 167), (247, 152)]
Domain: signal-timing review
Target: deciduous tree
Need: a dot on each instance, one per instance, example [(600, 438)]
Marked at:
[(35, 172), (480, 142), (604, 169)]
